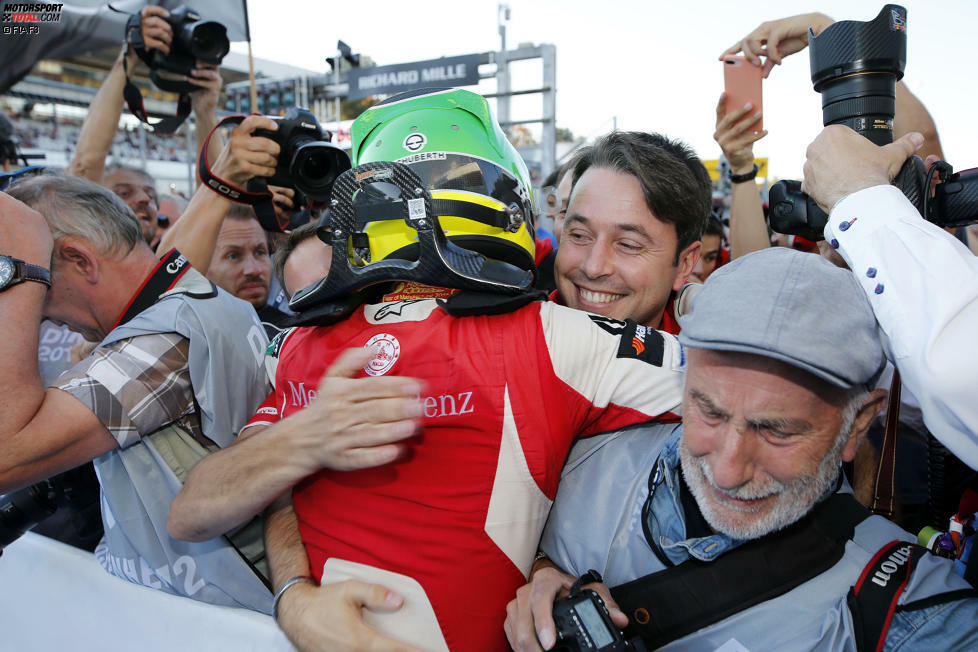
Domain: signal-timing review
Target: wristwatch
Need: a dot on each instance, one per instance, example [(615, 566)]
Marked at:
[(741, 178), (14, 271)]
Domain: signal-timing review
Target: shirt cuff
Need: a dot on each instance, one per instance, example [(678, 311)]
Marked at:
[(863, 212)]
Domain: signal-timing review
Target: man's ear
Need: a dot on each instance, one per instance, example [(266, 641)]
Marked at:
[(688, 258), (873, 405), (77, 256)]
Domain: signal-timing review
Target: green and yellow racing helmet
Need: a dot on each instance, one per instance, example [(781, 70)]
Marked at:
[(478, 182), (437, 196)]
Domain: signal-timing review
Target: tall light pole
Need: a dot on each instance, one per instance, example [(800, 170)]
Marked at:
[(343, 52), (502, 67), (336, 83)]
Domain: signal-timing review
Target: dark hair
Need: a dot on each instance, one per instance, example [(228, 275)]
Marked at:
[(554, 178), (674, 181), (713, 226), (551, 179), (282, 253)]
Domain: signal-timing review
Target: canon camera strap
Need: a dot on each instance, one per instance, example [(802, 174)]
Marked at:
[(260, 201), (170, 270), (669, 604)]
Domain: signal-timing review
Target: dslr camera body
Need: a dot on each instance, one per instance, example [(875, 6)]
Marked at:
[(584, 625), (308, 162), (855, 67), (194, 40), (77, 489)]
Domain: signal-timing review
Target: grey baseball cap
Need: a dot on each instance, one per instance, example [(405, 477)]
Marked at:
[(791, 306)]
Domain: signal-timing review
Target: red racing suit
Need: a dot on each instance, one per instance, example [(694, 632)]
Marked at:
[(505, 397)]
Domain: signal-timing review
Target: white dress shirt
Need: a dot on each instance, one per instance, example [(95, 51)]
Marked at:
[(923, 286)]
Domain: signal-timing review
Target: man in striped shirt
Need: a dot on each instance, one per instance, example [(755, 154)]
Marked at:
[(176, 374)]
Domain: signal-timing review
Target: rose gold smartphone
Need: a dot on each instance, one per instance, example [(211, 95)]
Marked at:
[(742, 82)]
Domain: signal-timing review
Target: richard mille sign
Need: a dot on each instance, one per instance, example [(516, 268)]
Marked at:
[(384, 80)]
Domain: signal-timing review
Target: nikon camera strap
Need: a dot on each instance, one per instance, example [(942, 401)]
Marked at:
[(669, 604)]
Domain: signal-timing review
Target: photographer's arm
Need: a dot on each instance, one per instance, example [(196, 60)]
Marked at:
[(99, 127), (42, 432), (245, 156), (920, 280), (748, 231), (204, 103), (909, 115), (353, 423)]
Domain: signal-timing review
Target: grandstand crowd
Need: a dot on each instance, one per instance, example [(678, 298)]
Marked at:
[(435, 408), (61, 135)]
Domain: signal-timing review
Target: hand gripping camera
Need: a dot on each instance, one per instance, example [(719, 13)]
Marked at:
[(855, 66), (584, 624), (308, 161), (193, 40)]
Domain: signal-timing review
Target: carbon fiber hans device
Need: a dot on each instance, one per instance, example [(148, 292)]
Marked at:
[(392, 191)]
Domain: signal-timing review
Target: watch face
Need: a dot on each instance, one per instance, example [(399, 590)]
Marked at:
[(7, 270)]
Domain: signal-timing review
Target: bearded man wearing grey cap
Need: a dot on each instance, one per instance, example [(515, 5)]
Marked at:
[(737, 529)]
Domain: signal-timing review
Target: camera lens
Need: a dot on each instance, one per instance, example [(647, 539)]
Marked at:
[(864, 102), (208, 41), (855, 66), (315, 167)]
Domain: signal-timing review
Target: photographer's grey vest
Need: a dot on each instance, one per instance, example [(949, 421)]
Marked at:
[(607, 477), (227, 345)]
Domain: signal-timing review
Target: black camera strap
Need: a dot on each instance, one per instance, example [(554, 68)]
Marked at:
[(132, 94), (678, 601), (260, 201), (168, 125), (873, 599), (170, 269)]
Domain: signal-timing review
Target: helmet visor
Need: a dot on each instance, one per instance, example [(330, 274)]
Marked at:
[(450, 171)]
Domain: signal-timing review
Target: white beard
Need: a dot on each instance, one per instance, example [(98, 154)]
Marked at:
[(792, 500)]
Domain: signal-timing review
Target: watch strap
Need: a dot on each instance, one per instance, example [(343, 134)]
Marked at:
[(28, 272), (741, 178)]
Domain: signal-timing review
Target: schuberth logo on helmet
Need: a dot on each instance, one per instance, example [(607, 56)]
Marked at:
[(415, 142), (388, 351)]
